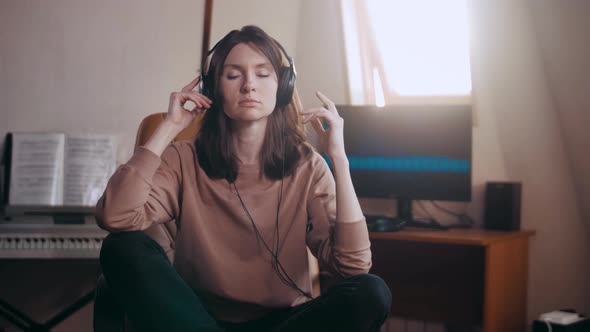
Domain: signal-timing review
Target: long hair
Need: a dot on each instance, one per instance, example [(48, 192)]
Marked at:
[(284, 137)]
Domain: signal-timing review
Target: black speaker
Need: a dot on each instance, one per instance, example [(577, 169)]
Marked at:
[(502, 206)]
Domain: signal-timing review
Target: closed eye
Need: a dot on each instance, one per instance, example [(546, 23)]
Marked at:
[(233, 77)]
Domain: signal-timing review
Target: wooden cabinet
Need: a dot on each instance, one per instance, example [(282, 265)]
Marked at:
[(459, 277)]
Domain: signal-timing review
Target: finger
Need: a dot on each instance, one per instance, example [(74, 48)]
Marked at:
[(204, 98), (319, 112), (318, 126), (197, 109), (190, 103), (329, 117), (192, 84), (310, 114), (313, 110), (327, 102), (316, 123), (206, 101), (183, 97)]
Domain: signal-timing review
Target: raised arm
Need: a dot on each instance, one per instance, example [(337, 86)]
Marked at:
[(178, 117), (145, 190), (341, 241), (331, 138), (341, 247)]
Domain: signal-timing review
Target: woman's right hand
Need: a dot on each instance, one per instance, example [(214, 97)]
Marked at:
[(178, 115)]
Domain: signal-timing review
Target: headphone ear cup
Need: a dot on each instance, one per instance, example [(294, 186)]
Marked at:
[(286, 87), (206, 86)]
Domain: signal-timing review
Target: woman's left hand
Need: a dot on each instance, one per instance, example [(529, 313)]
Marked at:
[(331, 137)]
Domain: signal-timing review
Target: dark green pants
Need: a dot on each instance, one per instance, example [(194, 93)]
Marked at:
[(156, 298)]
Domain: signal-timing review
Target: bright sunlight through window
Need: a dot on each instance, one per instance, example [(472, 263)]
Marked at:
[(423, 45)]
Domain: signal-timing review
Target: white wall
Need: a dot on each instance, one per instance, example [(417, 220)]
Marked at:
[(562, 34), (94, 66), (320, 53), (267, 14), (532, 146)]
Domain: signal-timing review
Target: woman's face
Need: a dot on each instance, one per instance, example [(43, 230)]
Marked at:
[(248, 84)]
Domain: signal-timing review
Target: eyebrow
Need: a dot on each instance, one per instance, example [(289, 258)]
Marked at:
[(233, 65)]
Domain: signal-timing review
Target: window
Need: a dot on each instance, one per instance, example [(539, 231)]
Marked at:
[(401, 51)]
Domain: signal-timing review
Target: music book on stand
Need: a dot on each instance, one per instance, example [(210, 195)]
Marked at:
[(54, 171)]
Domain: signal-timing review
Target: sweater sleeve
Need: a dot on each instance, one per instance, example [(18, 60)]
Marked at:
[(141, 192), (342, 249)]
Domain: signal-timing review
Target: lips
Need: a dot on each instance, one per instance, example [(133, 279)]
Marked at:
[(248, 102)]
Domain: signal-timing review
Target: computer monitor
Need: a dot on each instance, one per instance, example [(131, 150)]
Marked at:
[(409, 152)]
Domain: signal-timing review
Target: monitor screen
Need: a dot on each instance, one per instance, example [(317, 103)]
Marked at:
[(410, 152)]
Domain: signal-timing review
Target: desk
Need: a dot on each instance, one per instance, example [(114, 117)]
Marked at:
[(460, 277)]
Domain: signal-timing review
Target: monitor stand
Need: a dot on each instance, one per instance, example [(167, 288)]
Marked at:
[(405, 217), (403, 220)]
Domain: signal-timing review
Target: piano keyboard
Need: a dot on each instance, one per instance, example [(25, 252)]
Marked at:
[(49, 241)]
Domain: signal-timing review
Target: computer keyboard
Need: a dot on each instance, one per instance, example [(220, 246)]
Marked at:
[(392, 224)]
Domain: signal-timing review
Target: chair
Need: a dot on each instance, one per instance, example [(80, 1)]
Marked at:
[(107, 315)]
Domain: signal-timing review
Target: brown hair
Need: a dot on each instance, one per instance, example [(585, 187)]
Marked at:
[(213, 143)]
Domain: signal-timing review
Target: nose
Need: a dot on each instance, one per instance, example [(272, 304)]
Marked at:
[(248, 85)]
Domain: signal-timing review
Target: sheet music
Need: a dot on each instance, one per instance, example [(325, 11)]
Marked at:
[(90, 160), (36, 168)]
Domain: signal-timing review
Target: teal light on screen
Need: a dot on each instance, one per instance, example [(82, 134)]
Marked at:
[(407, 164)]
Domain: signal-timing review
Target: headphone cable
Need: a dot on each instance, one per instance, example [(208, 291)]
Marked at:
[(276, 264)]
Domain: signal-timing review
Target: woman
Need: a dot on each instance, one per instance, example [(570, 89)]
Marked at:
[(248, 196)]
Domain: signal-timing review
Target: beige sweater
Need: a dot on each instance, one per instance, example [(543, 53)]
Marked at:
[(217, 252)]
